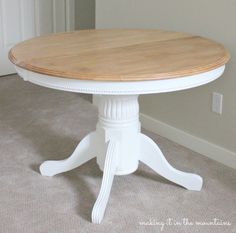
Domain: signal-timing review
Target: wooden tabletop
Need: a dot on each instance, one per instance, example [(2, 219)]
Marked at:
[(119, 55)]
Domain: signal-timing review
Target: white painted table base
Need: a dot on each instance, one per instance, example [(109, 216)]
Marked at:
[(118, 143)]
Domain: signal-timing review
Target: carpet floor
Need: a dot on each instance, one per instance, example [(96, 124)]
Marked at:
[(37, 124)]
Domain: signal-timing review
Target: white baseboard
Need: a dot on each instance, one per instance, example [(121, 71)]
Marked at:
[(194, 143)]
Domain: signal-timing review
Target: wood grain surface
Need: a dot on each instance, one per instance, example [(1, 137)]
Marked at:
[(119, 55)]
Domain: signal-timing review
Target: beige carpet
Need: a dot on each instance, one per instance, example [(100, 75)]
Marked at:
[(38, 123)]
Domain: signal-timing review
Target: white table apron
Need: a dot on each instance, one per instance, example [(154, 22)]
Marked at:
[(118, 143)]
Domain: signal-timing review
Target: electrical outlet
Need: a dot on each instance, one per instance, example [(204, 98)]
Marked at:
[(217, 102)]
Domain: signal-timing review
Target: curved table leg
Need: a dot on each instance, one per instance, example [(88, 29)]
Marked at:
[(84, 152), (152, 156), (107, 180)]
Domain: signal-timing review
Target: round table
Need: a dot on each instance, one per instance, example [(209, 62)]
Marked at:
[(118, 65)]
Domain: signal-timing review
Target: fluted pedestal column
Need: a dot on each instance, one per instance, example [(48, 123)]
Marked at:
[(119, 121)]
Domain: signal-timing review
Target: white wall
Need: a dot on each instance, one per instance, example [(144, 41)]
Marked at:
[(84, 14), (189, 110)]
